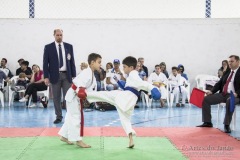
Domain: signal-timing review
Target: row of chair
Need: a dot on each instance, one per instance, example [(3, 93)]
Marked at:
[(11, 93)]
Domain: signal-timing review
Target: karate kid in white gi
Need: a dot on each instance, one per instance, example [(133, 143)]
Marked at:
[(177, 83), (126, 99), (159, 80), (71, 131)]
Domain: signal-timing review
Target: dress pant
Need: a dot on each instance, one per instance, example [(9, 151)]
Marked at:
[(213, 100), (58, 89)]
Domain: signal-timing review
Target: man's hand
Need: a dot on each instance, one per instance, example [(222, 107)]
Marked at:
[(46, 81), (208, 93)]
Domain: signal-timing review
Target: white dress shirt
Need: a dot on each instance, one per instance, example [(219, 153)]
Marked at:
[(230, 85), (63, 68)]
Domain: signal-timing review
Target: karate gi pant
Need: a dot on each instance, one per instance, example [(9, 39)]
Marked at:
[(176, 93), (71, 126), (124, 101), (164, 92)]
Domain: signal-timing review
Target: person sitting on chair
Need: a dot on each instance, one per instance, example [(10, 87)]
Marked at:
[(230, 81), (36, 84)]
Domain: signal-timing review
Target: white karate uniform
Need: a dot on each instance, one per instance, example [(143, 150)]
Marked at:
[(161, 78), (178, 82), (124, 101), (71, 126)]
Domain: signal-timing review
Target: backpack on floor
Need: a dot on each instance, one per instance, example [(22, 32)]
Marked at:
[(104, 106)]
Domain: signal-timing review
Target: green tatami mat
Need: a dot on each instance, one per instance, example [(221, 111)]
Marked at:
[(103, 148)]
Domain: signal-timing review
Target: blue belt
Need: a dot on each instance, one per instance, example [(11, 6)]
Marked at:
[(134, 91)]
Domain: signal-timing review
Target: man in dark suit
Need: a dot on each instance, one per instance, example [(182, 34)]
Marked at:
[(59, 69), (230, 81)]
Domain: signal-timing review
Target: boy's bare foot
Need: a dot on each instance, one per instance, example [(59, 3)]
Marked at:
[(131, 144), (82, 144), (66, 140)]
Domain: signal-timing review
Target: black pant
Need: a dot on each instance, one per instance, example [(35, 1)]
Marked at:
[(33, 88), (216, 99)]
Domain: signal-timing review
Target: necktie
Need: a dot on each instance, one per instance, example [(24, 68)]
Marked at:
[(225, 88), (60, 56)]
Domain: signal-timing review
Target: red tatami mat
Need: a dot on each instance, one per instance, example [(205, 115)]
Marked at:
[(196, 143)]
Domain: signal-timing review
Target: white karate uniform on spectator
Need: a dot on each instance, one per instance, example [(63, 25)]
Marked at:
[(178, 83), (161, 78)]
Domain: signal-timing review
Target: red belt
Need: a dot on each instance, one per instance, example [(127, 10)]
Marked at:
[(81, 112)]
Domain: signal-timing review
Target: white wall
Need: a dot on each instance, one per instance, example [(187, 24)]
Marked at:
[(199, 44), (119, 9)]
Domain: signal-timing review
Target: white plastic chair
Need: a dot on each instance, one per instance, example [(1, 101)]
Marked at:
[(39, 93), (1, 94), (10, 91), (145, 99), (233, 123), (201, 80)]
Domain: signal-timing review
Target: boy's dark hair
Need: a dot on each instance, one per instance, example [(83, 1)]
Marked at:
[(26, 63), (4, 60), (130, 61), (93, 57), (157, 65), (174, 68)]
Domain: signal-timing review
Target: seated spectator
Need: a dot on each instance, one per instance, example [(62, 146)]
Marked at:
[(178, 86), (2, 77), (141, 60), (21, 83), (181, 70), (7, 71), (36, 84), (24, 69), (163, 68), (225, 67), (141, 72), (109, 66), (111, 84), (100, 76), (19, 70), (159, 80)]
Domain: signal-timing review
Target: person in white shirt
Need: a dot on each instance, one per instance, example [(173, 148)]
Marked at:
[(159, 80), (111, 84), (177, 83)]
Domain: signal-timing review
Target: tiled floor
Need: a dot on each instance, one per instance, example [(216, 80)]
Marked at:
[(19, 116)]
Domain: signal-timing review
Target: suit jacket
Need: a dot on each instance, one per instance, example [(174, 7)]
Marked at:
[(236, 83), (51, 63)]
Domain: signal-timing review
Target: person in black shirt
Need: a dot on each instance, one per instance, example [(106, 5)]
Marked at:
[(19, 70), (24, 69)]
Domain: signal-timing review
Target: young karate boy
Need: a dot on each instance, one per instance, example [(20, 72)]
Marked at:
[(125, 100), (70, 131)]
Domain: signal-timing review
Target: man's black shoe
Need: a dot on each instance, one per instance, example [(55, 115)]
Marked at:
[(205, 124), (227, 129), (57, 121)]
